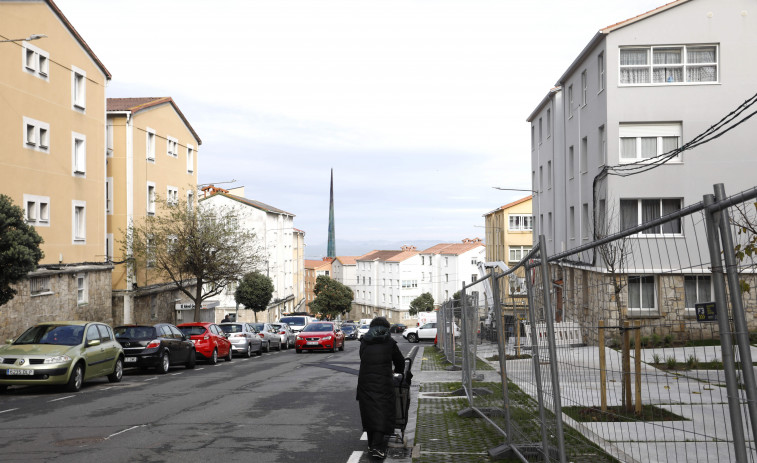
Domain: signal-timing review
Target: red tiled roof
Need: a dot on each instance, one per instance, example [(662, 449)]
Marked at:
[(347, 260), (137, 104), (316, 264), (78, 37), (641, 16), (452, 248), (509, 205), (250, 202), (388, 256)]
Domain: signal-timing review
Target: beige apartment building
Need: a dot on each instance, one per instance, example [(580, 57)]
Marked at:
[(151, 161), (314, 269), (509, 238), (52, 162)]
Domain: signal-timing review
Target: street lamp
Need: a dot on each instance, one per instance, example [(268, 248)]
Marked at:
[(28, 39)]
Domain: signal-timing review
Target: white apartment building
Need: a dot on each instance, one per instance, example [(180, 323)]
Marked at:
[(446, 267), (386, 282), (344, 270)]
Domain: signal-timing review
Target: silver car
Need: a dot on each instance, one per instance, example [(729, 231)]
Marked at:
[(269, 335), (286, 333), (243, 337)]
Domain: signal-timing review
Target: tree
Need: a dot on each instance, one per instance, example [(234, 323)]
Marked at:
[(254, 292), (19, 248), (331, 297), (422, 303), (744, 217), (199, 250)]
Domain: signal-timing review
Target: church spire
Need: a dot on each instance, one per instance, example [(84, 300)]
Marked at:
[(331, 251)]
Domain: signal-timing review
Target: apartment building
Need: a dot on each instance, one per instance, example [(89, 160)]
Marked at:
[(52, 140), (509, 238), (446, 267), (151, 157), (275, 239), (314, 269), (640, 88), (343, 270), (298, 274)]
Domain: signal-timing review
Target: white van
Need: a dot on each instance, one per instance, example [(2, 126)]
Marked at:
[(296, 322)]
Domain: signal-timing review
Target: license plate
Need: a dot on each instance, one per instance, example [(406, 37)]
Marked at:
[(18, 372), (130, 359), (312, 343)]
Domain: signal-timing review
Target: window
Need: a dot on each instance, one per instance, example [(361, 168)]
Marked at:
[(571, 163), (109, 195), (634, 212), (601, 71), (150, 144), (584, 88), (36, 135), (150, 198), (520, 222), (572, 223), (550, 230), (586, 225), (640, 142), (37, 210), (81, 290), (190, 158), (473, 277), (549, 175), (429, 260), (549, 123), (570, 101), (533, 138), (150, 251), (35, 61), (541, 178), (406, 284), (109, 247), (78, 88), (109, 140), (584, 161), (697, 288), (668, 65), (540, 132), (79, 221), (474, 260), (172, 195), (602, 152), (517, 253), (446, 261), (641, 292), (78, 154), (39, 286), (172, 147), (190, 200)]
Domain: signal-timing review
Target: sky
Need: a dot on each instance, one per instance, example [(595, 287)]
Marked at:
[(418, 106)]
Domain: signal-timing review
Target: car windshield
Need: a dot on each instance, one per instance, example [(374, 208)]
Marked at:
[(319, 327), (231, 327), (135, 332), (64, 335), (277, 326), (259, 326), (348, 328), (192, 330), (364, 327), (293, 320)]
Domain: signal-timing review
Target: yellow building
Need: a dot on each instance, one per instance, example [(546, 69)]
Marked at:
[(52, 161), (152, 156), (509, 237)]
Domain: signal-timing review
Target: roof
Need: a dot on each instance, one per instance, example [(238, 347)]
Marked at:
[(388, 256), (78, 38), (509, 205), (250, 202), (316, 264), (347, 260), (598, 37), (453, 248), (135, 105)]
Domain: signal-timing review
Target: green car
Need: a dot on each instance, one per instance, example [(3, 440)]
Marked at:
[(62, 353)]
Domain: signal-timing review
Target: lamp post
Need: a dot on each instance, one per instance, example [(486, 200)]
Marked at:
[(28, 39)]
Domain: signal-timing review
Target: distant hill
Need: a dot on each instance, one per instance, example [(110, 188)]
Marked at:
[(358, 248)]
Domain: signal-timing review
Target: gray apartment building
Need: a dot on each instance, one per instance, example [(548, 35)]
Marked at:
[(641, 88)]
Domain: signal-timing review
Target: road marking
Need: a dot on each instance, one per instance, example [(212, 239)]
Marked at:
[(150, 379), (364, 436), (198, 369), (106, 388), (121, 432), (177, 374), (355, 457), (9, 410), (60, 398)]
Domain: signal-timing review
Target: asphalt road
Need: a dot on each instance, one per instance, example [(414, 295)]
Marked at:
[(280, 407)]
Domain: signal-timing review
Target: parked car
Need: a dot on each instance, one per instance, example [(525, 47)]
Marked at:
[(397, 328), (286, 334), (244, 338), (361, 330), (296, 322), (269, 335), (159, 346), (320, 336), (427, 332), (210, 342), (63, 353), (350, 331)]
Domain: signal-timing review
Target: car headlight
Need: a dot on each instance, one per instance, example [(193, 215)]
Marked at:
[(326, 338), (300, 337), (58, 359), (2, 360)]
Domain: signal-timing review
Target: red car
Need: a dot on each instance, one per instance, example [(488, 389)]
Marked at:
[(209, 340), (319, 336)]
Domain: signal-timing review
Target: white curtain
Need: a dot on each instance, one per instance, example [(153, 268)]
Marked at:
[(628, 148), (634, 57), (667, 56), (629, 213), (650, 210), (648, 147), (700, 55)]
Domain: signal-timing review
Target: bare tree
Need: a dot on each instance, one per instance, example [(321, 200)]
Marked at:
[(199, 250), (744, 218)]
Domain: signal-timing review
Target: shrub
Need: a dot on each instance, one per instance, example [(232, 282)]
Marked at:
[(671, 363), (692, 362), (656, 359), (656, 339), (668, 339), (645, 341)]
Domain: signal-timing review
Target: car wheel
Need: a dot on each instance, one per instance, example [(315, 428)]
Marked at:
[(214, 357), (118, 371), (342, 348), (286, 344), (248, 353), (3, 388), (267, 347), (165, 364), (229, 356), (299, 351), (279, 348), (76, 379), (192, 360), (412, 337), (260, 350)]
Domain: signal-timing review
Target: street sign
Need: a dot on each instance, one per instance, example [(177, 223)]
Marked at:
[(706, 312)]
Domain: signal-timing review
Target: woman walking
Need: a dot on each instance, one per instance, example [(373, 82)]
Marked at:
[(375, 388)]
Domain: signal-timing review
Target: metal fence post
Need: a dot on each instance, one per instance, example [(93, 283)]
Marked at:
[(466, 364), (502, 359), (550, 318), (729, 368), (737, 310)]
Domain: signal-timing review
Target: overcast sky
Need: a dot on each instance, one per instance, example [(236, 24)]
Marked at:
[(419, 106)]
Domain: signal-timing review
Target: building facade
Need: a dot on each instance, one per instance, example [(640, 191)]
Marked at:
[(446, 267), (52, 139), (509, 238), (314, 269), (298, 274)]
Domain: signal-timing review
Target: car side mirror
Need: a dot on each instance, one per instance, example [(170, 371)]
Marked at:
[(93, 343)]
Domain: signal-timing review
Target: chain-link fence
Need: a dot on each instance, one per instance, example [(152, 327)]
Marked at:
[(634, 347)]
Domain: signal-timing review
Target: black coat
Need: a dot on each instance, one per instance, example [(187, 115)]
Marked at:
[(375, 388)]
